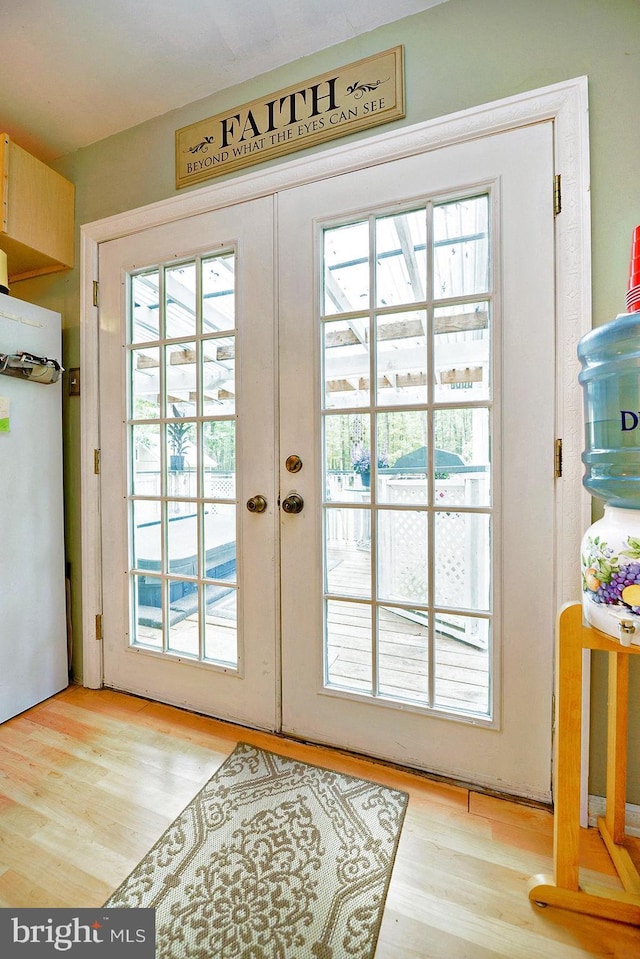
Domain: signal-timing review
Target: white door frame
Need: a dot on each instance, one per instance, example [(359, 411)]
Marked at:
[(566, 104)]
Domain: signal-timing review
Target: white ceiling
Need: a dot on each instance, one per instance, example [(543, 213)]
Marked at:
[(75, 71)]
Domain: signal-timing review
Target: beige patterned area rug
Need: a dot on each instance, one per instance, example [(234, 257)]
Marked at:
[(273, 859)]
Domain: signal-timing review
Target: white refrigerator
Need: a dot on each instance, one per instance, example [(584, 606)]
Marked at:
[(33, 634)]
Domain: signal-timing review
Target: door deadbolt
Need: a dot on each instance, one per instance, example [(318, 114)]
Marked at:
[(257, 504), (293, 503), (293, 463)]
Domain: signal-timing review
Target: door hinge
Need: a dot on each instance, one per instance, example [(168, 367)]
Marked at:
[(557, 459), (557, 194), (96, 289), (96, 462), (98, 627)]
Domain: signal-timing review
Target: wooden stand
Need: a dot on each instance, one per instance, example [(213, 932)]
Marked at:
[(564, 889)]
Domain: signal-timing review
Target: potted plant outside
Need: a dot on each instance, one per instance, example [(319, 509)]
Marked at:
[(361, 464), (179, 434)]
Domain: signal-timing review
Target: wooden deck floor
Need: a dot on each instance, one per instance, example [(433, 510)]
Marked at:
[(461, 677), (461, 672)]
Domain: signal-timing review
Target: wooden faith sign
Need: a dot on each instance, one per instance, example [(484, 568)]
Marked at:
[(356, 97)]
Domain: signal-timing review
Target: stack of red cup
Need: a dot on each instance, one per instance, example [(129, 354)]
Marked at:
[(633, 293)]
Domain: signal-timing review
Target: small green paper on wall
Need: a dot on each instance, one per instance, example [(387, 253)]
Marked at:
[(4, 414)]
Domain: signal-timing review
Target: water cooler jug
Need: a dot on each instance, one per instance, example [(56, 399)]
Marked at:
[(610, 552)]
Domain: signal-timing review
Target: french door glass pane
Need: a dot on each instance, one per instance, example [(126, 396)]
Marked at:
[(219, 458), (183, 617), (461, 346), (145, 307), (182, 428), (462, 641), (220, 542), (349, 658), (221, 625), (182, 539), (146, 542), (402, 473), (145, 365), (147, 609), (463, 474), (401, 343), (180, 296), (218, 293), (462, 560), (347, 446), (403, 654), (402, 556), (218, 376), (346, 268), (346, 363), (401, 258), (407, 465), (348, 552), (145, 447), (461, 247)]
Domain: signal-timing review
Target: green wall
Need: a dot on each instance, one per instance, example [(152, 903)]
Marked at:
[(457, 55)]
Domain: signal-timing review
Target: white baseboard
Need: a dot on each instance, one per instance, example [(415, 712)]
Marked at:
[(597, 807)]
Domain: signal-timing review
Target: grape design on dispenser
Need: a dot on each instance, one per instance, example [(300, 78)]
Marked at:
[(611, 578)]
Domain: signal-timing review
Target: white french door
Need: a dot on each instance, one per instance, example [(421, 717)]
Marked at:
[(410, 618), (187, 372), (417, 325)]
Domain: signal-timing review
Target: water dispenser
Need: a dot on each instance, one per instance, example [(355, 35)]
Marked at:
[(610, 552)]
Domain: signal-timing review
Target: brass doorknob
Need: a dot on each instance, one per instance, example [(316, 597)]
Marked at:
[(293, 503), (257, 504)]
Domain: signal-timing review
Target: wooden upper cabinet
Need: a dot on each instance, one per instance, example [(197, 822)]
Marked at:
[(37, 214)]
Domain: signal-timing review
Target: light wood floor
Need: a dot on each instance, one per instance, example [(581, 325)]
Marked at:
[(89, 779)]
